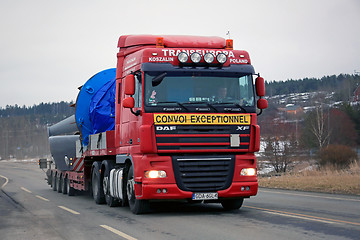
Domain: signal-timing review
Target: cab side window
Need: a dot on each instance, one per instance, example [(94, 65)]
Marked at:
[(138, 90)]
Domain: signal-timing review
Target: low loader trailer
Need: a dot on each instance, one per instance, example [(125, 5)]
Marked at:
[(175, 120)]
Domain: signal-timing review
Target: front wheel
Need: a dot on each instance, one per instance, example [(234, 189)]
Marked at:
[(137, 206), (232, 204)]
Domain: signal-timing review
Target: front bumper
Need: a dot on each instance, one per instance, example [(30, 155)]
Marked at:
[(150, 191)]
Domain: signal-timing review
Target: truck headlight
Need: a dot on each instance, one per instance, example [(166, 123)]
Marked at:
[(183, 57), (155, 174), (209, 58), (221, 58), (195, 57), (248, 172)]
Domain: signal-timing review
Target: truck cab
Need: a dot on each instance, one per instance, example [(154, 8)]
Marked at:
[(187, 119)]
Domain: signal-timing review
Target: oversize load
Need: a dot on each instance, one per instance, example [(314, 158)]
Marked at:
[(215, 119)]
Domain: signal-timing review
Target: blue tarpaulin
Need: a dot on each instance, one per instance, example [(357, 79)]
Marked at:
[(102, 108), (95, 105)]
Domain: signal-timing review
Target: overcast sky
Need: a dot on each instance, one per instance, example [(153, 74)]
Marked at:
[(49, 48)]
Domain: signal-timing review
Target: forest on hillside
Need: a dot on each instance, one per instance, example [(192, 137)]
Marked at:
[(23, 130), (343, 85)]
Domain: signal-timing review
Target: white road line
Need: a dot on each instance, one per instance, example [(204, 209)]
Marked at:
[(26, 190), (69, 210), (314, 196), (305, 218), (6, 181), (42, 198), (117, 232)]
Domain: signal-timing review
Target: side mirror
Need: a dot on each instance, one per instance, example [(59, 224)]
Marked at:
[(262, 103), (129, 85), (128, 102), (260, 86), (42, 163)]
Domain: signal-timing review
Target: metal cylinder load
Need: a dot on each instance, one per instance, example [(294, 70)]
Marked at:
[(94, 113)]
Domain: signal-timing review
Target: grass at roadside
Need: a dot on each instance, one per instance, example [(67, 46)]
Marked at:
[(330, 181)]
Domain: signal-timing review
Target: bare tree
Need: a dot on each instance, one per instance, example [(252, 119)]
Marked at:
[(319, 128), (278, 153)]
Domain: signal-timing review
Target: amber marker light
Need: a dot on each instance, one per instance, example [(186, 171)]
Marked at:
[(229, 44), (159, 42)]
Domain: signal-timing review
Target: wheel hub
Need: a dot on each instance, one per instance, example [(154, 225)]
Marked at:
[(130, 189), (105, 185)]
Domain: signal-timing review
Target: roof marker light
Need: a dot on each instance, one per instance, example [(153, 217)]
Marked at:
[(221, 58), (183, 57), (209, 57), (159, 42), (229, 44), (195, 57)]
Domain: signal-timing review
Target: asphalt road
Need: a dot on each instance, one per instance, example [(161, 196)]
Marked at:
[(29, 209)]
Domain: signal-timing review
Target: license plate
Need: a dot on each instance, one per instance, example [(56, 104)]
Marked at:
[(205, 196)]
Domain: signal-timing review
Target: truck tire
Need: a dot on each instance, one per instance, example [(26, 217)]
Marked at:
[(51, 179), (70, 190), (96, 183), (232, 204), (59, 183), (54, 181), (137, 206), (110, 201), (64, 184)]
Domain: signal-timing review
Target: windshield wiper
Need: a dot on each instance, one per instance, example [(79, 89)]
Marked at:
[(236, 104), (181, 105), (158, 79), (206, 103)]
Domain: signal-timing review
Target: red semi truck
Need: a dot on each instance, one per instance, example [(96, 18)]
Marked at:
[(176, 120)]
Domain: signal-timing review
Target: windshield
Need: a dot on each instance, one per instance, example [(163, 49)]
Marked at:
[(198, 88)]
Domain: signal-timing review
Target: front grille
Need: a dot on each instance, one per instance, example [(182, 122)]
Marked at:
[(203, 174), (200, 138)]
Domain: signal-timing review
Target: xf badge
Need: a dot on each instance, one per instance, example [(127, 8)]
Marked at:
[(242, 128)]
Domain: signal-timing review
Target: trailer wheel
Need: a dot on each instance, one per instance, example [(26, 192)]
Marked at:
[(110, 201), (137, 206), (96, 182), (54, 181), (51, 179), (64, 184), (70, 190), (232, 204), (59, 183)]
